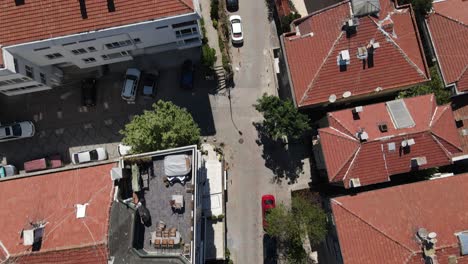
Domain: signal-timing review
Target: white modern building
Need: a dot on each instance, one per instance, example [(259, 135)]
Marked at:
[(39, 38)]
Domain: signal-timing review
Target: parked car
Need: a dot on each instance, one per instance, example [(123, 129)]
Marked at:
[(89, 155), (130, 85), (88, 92), (124, 150), (232, 5), (186, 78), (15, 131), (268, 203), (149, 86), (51, 162), (7, 170), (236, 29)]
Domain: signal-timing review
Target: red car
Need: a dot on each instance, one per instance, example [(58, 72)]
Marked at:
[(268, 203)]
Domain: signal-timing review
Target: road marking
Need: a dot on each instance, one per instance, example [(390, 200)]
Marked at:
[(59, 114), (108, 122), (106, 105), (88, 126), (37, 117)]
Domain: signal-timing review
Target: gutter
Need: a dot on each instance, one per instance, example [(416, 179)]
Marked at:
[(285, 59)]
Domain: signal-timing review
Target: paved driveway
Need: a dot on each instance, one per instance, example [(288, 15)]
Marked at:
[(64, 126)]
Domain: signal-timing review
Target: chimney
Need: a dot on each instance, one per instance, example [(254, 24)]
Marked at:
[(387, 26), (110, 6), (84, 13)]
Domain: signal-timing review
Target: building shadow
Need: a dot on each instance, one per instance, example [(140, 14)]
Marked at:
[(285, 162)]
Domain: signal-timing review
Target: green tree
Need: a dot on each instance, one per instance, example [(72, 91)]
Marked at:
[(287, 20), (166, 126), (435, 86), (281, 117), (208, 56), (290, 226)]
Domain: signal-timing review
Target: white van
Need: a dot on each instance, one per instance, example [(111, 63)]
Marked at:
[(130, 85)]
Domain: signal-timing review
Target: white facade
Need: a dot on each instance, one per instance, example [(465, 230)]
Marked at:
[(35, 66)]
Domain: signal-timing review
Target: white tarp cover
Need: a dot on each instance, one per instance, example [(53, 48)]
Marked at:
[(177, 165)]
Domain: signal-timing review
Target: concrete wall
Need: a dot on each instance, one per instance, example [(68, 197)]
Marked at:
[(92, 49)]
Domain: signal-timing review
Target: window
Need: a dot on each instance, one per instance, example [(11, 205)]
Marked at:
[(69, 43), (15, 61), (116, 55), (186, 32), (119, 44), (54, 56), (43, 78), (184, 24), (79, 51), (44, 48), (29, 71), (91, 49), (162, 27), (89, 60), (86, 40), (137, 40), (191, 40)]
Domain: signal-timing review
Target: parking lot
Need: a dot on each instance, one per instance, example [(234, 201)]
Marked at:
[(64, 126)]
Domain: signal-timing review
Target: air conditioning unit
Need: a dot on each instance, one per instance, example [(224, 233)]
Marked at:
[(410, 142), (358, 109), (418, 161), (363, 136), (354, 182)]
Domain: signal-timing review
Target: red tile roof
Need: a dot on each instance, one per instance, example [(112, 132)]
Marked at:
[(37, 20), (448, 26), (434, 133), (312, 60), (86, 255), (380, 226), (460, 111), (52, 198)]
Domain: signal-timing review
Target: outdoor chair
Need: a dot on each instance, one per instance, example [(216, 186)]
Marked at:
[(171, 243), (164, 243), (157, 243)]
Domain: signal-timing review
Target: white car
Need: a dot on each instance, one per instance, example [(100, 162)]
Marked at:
[(236, 29), (89, 155), (130, 85), (15, 131)]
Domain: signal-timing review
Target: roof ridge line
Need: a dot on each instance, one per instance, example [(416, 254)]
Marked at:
[(376, 229), (388, 37), (441, 138), (185, 3), (462, 73), (447, 153), (321, 66), (339, 122), (433, 115), (450, 18), (351, 164)]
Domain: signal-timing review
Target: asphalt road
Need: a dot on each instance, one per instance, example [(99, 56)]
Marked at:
[(248, 177)]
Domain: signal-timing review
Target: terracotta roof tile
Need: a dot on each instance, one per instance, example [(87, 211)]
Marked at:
[(460, 112), (462, 84), (86, 255), (380, 226), (312, 60), (37, 20), (434, 133), (448, 27), (52, 198)]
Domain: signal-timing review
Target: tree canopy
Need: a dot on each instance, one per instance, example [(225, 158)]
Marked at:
[(281, 117), (166, 126), (435, 86), (291, 225)]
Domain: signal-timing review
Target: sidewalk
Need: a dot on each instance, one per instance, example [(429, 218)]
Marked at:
[(211, 32)]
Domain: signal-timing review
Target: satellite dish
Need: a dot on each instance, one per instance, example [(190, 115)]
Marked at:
[(432, 235), (346, 94), (332, 98), (378, 89)]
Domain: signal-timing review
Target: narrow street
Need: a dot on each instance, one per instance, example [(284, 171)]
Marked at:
[(234, 118)]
